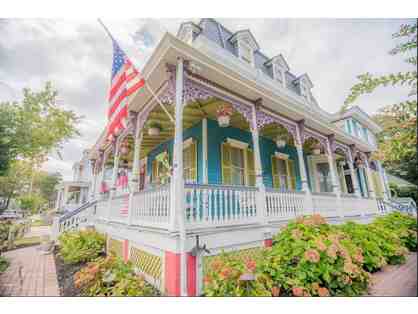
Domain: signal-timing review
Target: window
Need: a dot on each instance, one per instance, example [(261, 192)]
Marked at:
[(304, 91), (237, 165), (278, 74), (245, 52), (159, 170), (283, 174), (324, 177), (190, 162)]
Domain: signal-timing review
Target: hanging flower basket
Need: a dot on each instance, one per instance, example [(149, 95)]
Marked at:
[(359, 163), (224, 114), (124, 148), (317, 149), (154, 129), (281, 141)]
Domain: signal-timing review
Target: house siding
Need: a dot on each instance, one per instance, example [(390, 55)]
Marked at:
[(194, 132)]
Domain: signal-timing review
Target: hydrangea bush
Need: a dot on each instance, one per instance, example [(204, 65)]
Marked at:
[(111, 276), (81, 246), (230, 275), (311, 258)]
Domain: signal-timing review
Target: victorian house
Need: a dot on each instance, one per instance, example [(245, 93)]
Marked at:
[(236, 146)]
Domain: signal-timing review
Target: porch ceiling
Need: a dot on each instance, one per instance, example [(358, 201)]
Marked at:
[(192, 114)]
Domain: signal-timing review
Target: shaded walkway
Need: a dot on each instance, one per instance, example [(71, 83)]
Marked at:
[(397, 280), (31, 272)]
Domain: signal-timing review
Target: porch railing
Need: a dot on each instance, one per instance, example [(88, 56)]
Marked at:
[(151, 207), (284, 204), (217, 205)]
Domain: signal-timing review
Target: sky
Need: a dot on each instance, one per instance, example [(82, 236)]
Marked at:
[(76, 56)]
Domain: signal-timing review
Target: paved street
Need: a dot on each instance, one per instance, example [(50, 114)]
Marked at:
[(31, 273)]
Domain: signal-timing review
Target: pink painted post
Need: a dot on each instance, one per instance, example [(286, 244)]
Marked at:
[(191, 275), (126, 250), (172, 274), (268, 242)]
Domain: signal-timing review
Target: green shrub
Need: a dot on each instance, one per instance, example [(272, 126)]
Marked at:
[(111, 276), (230, 275), (4, 264), (311, 258), (404, 226), (81, 246), (380, 246)]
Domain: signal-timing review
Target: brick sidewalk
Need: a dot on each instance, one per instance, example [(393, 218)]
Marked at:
[(397, 280), (30, 273)]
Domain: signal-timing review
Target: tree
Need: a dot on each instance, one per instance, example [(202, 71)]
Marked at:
[(397, 141), (36, 127), (16, 182), (8, 139), (368, 83), (45, 183)]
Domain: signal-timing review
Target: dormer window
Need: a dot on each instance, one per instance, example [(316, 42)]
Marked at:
[(305, 85), (245, 46), (188, 31), (279, 69), (245, 52)]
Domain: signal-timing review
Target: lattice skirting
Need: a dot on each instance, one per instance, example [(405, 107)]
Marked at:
[(149, 264), (115, 247), (253, 253)]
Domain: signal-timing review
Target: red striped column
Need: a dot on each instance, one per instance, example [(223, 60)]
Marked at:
[(191, 275), (172, 274), (125, 250)]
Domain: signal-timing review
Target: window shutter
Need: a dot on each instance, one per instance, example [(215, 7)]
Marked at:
[(291, 174), (154, 170), (193, 161), (275, 173), (226, 164), (250, 168)]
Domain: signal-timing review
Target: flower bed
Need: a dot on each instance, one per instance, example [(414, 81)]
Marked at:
[(312, 258), (81, 246), (111, 276)]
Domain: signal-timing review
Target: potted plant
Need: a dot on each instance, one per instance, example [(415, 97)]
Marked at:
[(154, 128), (317, 149), (224, 114)]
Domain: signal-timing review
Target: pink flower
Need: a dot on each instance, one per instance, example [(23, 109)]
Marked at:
[(323, 292), (312, 255), (297, 234), (297, 291), (320, 245), (251, 265), (332, 251), (225, 273)]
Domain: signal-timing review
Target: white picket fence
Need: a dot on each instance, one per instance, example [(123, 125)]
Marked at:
[(284, 204)]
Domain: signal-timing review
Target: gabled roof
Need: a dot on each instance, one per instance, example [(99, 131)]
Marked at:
[(279, 59), (245, 32), (306, 78), (194, 26)]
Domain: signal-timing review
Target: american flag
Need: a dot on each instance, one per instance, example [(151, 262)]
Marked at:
[(126, 80)]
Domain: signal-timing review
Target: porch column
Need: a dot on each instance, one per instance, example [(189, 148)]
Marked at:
[(177, 215), (353, 175), (302, 168), (102, 170), (133, 184), (114, 176), (336, 188), (382, 180), (94, 175), (205, 150), (261, 195), (370, 181)]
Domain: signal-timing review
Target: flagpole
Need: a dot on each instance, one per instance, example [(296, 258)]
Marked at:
[(146, 85)]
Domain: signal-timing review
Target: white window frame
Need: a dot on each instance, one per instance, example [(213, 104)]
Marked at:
[(279, 74), (241, 44)]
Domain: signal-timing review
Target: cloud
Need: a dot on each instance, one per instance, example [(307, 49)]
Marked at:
[(76, 56)]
